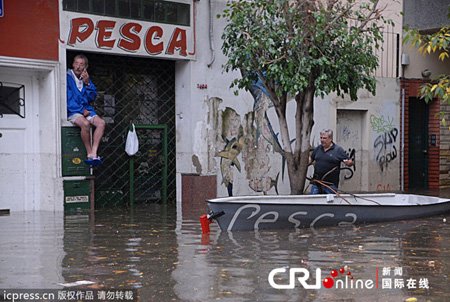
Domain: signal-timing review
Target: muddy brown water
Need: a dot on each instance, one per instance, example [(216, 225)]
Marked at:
[(161, 254)]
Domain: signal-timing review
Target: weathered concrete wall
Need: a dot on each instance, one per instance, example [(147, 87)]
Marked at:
[(244, 145), (417, 13), (370, 127), (202, 89)]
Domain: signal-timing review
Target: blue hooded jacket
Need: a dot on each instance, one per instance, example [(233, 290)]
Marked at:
[(78, 100)]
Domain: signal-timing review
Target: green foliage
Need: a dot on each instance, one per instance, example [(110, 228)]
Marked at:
[(294, 45), (440, 88), (427, 44)]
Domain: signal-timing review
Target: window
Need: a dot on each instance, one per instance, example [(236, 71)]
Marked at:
[(124, 8), (12, 99), (98, 6), (147, 10)]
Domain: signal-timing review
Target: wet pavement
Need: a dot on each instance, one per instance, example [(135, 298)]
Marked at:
[(160, 252)]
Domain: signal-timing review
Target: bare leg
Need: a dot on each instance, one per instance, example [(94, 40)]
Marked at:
[(99, 124), (85, 127)]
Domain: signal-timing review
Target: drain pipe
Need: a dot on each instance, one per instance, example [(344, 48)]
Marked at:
[(402, 143), (211, 35)]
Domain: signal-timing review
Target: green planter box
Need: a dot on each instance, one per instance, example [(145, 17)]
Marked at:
[(77, 194), (73, 153)]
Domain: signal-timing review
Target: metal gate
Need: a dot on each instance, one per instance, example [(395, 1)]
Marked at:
[(148, 170), (140, 91)]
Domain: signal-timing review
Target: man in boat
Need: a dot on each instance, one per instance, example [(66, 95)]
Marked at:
[(327, 158)]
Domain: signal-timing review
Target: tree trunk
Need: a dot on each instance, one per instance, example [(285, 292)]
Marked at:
[(298, 160)]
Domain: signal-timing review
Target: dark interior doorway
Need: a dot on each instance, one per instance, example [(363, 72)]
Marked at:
[(418, 144), (140, 91)]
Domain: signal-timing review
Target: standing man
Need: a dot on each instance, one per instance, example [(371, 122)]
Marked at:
[(327, 157), (81, 93)]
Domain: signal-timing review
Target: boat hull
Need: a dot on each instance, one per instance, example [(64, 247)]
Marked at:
[(280, 212)]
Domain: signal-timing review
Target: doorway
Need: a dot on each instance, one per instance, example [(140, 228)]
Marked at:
[(17, 142), (349, 133), (140, 91), (418, 144)]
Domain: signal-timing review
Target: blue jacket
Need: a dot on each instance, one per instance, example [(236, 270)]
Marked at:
[(77, 100)]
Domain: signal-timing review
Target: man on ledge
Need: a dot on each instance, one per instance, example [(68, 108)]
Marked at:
[(81, 93)]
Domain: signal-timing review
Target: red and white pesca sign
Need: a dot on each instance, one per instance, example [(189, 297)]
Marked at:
[(122, 36)]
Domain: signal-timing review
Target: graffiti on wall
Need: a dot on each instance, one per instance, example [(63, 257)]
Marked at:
[(349, 171), (232, 140), (385, 149), (381, 124), (253, 139), (384, 187), (385, 143)]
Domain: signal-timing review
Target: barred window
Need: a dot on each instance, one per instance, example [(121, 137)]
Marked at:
[(12, 99), (147, 10)]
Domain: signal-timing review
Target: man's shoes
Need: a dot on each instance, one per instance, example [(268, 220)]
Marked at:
[(94, 161), (89, 161), (97, 161)]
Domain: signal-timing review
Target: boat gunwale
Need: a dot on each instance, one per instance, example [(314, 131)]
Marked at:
[(349, 205), (255, 199)]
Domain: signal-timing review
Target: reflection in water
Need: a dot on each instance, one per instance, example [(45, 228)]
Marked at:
[(165, 257), (123, 249), (31, 250)]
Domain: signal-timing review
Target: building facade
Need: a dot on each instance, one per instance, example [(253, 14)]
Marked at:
[(426, 164), (30, 105), (158, 64)]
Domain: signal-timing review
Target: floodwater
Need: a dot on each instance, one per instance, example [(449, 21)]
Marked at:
[(161, 254)]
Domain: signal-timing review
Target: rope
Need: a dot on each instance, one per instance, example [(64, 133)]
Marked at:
[(326, 184)]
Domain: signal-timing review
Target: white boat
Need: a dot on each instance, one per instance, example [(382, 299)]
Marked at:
[(240, 213)]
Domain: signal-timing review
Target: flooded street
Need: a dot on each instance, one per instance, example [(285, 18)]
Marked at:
[(161, 253)]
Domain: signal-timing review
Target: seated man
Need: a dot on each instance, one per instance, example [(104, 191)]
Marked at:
[(81, 92)]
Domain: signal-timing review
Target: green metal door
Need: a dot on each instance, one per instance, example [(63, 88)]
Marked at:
[(140, 91)]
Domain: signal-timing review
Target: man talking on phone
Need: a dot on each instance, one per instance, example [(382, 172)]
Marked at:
[(81, 93)]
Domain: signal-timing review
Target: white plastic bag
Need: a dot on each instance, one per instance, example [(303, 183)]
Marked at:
[(132, 143)]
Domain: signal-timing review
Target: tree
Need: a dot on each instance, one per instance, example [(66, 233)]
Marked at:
[(427, 44), (298, 49)]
